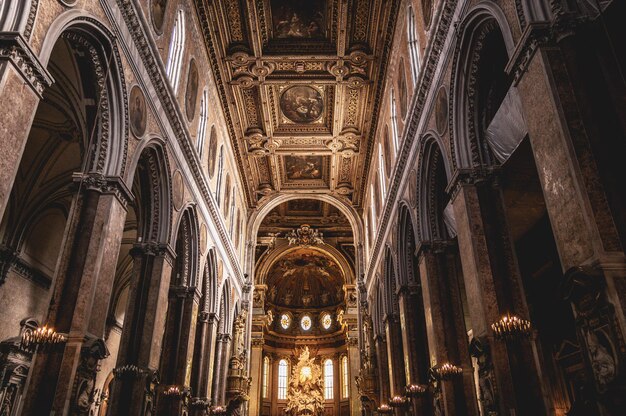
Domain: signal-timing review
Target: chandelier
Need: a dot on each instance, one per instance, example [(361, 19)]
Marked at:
[(305, 236), (511, 327), (42, 338)]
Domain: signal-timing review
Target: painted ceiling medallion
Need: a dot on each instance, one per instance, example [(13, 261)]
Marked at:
[(302, 104)]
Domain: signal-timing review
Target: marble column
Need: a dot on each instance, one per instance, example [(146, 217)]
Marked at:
[(493, 287), (82, 289), (382, 365), (563, 135), (177, 352), (447, 335), (414, 343), (226, 354), (256, 372), (395, 355), (22, 82), (203, 353), (354, 364), (133, 391)]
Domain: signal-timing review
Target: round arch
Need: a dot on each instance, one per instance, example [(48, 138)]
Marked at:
[(99, 43), (483, 20), (267, 262)]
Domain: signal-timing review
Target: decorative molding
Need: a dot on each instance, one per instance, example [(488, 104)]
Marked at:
[(107, 185), (176, 120), (15, 49), (411, 128)]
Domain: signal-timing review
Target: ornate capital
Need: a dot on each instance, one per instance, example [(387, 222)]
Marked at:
[(467, 177), (106, 185), (16, 50), (153, 249)]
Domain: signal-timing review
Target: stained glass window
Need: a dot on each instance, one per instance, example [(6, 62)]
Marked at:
[(327, 321), (283, 370), (266, 370), (345, 382), (328, 379), (305, 322), (285, 321)]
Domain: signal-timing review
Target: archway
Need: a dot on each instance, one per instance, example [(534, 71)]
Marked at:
[(304, 297)]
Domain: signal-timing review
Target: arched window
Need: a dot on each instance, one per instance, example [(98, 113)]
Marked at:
[(283, 370), (328, 379), (266, 371), (220, 164), (382, 169), (177, 44), (204, 116), (345, 380), (413, 45), (394, 120)]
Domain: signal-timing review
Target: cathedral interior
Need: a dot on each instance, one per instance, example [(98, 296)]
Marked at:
[(307, 208)]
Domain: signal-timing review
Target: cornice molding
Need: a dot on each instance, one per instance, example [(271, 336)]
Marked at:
[(410, 133), (16, 50), (137, 27)]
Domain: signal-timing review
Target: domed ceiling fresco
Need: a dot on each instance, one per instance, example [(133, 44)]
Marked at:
[(305, 278)]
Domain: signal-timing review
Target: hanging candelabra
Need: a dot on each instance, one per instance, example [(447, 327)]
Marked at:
[(43, 338), (446, 371), (399, 402), (173, 392), (218, 410), (415, 390), (305, 236), (384, 409), (511, 327)]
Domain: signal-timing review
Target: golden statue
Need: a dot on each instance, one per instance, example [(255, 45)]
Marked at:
[(306, 390)]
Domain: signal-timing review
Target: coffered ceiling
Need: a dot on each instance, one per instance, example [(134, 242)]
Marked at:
[(300, 85)]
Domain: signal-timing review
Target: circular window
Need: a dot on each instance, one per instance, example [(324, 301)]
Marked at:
[(327, 321), (305, 322), (285, 321)]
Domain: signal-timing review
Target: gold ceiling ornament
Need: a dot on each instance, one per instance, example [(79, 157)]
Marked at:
[(511, 327), (305, 236), (305, 396), (42, 338)]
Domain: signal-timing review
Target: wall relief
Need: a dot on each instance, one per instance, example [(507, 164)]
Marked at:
[(302, 104), (298, 19), (402, 90), (191, 95), (158, 14), (138, 112), (212, 152)]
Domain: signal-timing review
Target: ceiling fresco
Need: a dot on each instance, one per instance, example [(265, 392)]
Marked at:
[(305, 278), (300, 84)]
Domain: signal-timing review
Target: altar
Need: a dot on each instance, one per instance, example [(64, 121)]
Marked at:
[(306, 389)]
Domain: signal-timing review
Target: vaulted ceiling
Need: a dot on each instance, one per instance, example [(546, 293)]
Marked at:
[(300, 84)]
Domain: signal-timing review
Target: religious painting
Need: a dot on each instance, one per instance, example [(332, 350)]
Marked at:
[(138, 112), (303, 19), (304, 207), (441, 110), (387, 150), (212, 152), (427, 12), (302, 104), (158, 14), (402, 90), (303, 167), (191, 95), (307, 278)]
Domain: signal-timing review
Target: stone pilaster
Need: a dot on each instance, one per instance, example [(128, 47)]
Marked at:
[(447, 335), (493, 287), (133, 391), (22, 82), (82, 289)]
